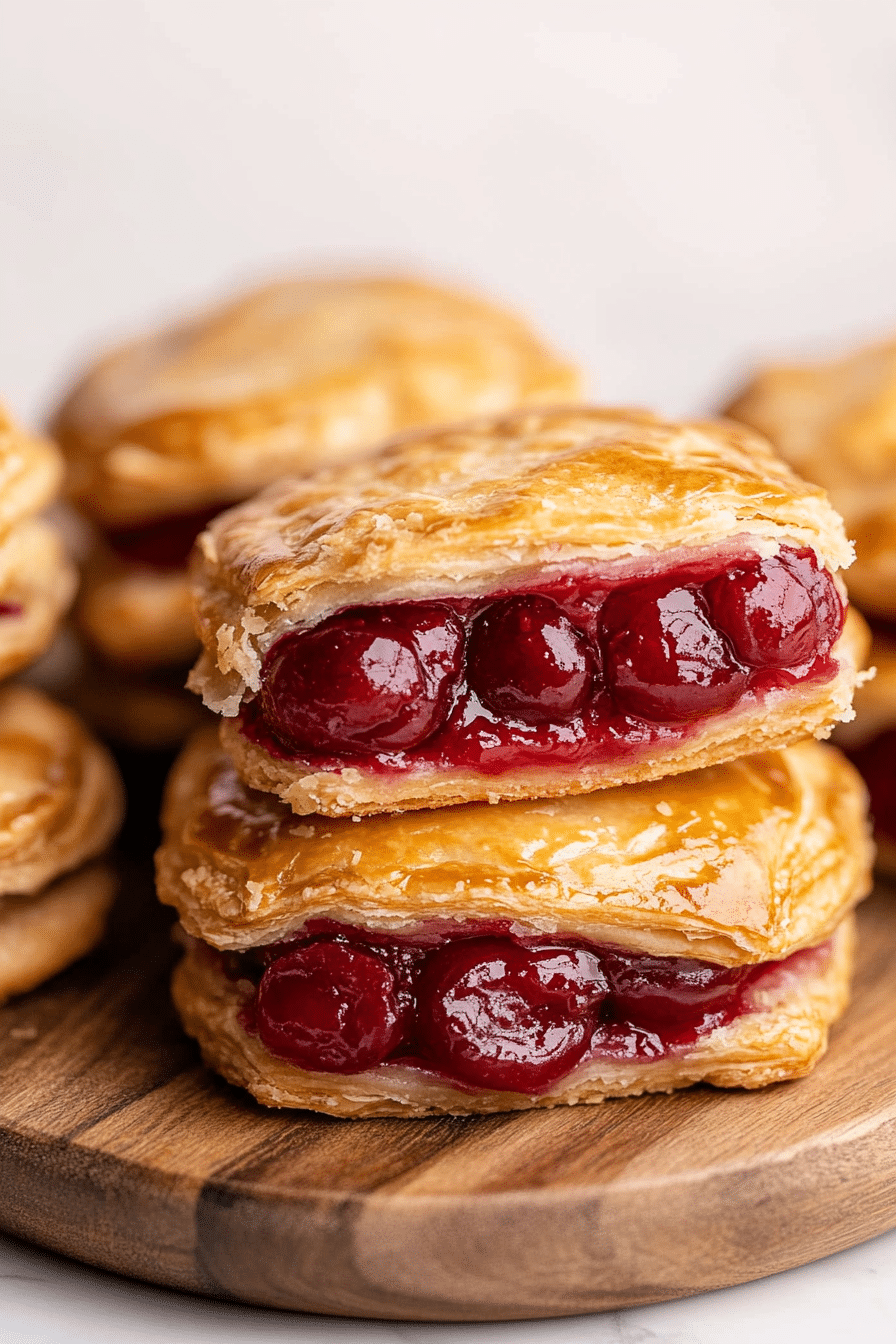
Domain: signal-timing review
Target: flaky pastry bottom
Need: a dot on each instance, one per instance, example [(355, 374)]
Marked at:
[(36, 576), (41, 935), (781, 1038), (134, 616)]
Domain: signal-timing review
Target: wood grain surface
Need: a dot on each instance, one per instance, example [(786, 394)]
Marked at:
[(116, 1147)]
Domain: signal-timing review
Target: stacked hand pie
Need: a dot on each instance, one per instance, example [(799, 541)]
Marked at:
[(162, 434), (835, 423), (60, 795), (479, 834)]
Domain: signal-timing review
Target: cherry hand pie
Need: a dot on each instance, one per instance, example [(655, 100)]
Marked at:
[(61, 803), (835, 423), (163, 433), (523, 606), (37, 579), (531, 954)]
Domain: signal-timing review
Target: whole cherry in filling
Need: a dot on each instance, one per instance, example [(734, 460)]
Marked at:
[(494, 1014), (526, 660), (368, 679), (668, 995), (778, 612), (664, 659), (329, 1006)]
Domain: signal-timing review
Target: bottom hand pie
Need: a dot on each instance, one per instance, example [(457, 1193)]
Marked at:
[(61, 803), (536, 953)]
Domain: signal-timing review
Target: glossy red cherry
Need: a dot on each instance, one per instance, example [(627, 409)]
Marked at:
[(370, 679), (494, 1014), (526, 660), (664, 660), (669, 995), (779, 612), (329, 1007)]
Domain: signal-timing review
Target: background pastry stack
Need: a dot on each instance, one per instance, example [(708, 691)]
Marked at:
[(60, 795), (487, 827), (835, 423)]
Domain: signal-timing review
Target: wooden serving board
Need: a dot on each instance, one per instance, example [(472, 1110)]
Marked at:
[(116, 1147)]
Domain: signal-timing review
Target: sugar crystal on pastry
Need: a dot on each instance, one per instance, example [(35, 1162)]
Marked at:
[(523, 606), (535, 953), (161, 434)]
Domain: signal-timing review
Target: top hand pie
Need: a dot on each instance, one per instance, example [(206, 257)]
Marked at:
[(544, 603), (162, 434)]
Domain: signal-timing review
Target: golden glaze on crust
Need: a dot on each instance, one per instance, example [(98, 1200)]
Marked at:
[(783, 1037), (41, 935), (286, 378), (835, 423), (61, 800), (481, 507), (743, 862), (37, 581), (30, 473)]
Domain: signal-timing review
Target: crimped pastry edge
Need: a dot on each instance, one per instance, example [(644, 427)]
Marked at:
[(782, 1040)]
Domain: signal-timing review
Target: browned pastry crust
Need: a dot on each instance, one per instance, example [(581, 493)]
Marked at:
[(61, 800), (744, 862), (41, 935), (783, 1037), (284, 379), (835, 423), (482, 508), (137, 617), (37, 584), (30, 474)]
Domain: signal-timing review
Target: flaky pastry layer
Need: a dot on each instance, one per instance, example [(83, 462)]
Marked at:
[(834, 423), (287, 378), (61, 798), (38, 582), (478, 508), (41, 935), (30, 474), (783, 1037), (739, 863)]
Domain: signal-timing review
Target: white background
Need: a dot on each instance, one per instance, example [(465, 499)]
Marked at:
[(669, 188)]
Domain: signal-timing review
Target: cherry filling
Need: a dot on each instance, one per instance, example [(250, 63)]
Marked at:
[(164, 543), (583, 669), (485, 1010), (11, 609)]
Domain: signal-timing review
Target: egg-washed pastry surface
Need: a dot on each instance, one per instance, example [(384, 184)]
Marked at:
[(289, 377), (37, 579), (522, 606), (482, 958), (835, 423), (61, 804), (163, 433)]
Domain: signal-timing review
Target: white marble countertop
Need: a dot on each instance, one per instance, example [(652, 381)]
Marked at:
[(669, 190)]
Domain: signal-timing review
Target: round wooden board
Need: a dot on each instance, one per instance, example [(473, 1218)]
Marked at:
[(116, 1147)]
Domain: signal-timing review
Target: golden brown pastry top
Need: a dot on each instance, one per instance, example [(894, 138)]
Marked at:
[(736, 863), (30, 473), (477, 507), (835, 423), (61, 799), (286, 378)]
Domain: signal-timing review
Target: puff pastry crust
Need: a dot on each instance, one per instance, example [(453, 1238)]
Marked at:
[(61, 799), (835, 423), (134, 616), (41, 935), (486, 507), (287, 378), (37, 584), (30, 473), (783, 1037), (740, 863)]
